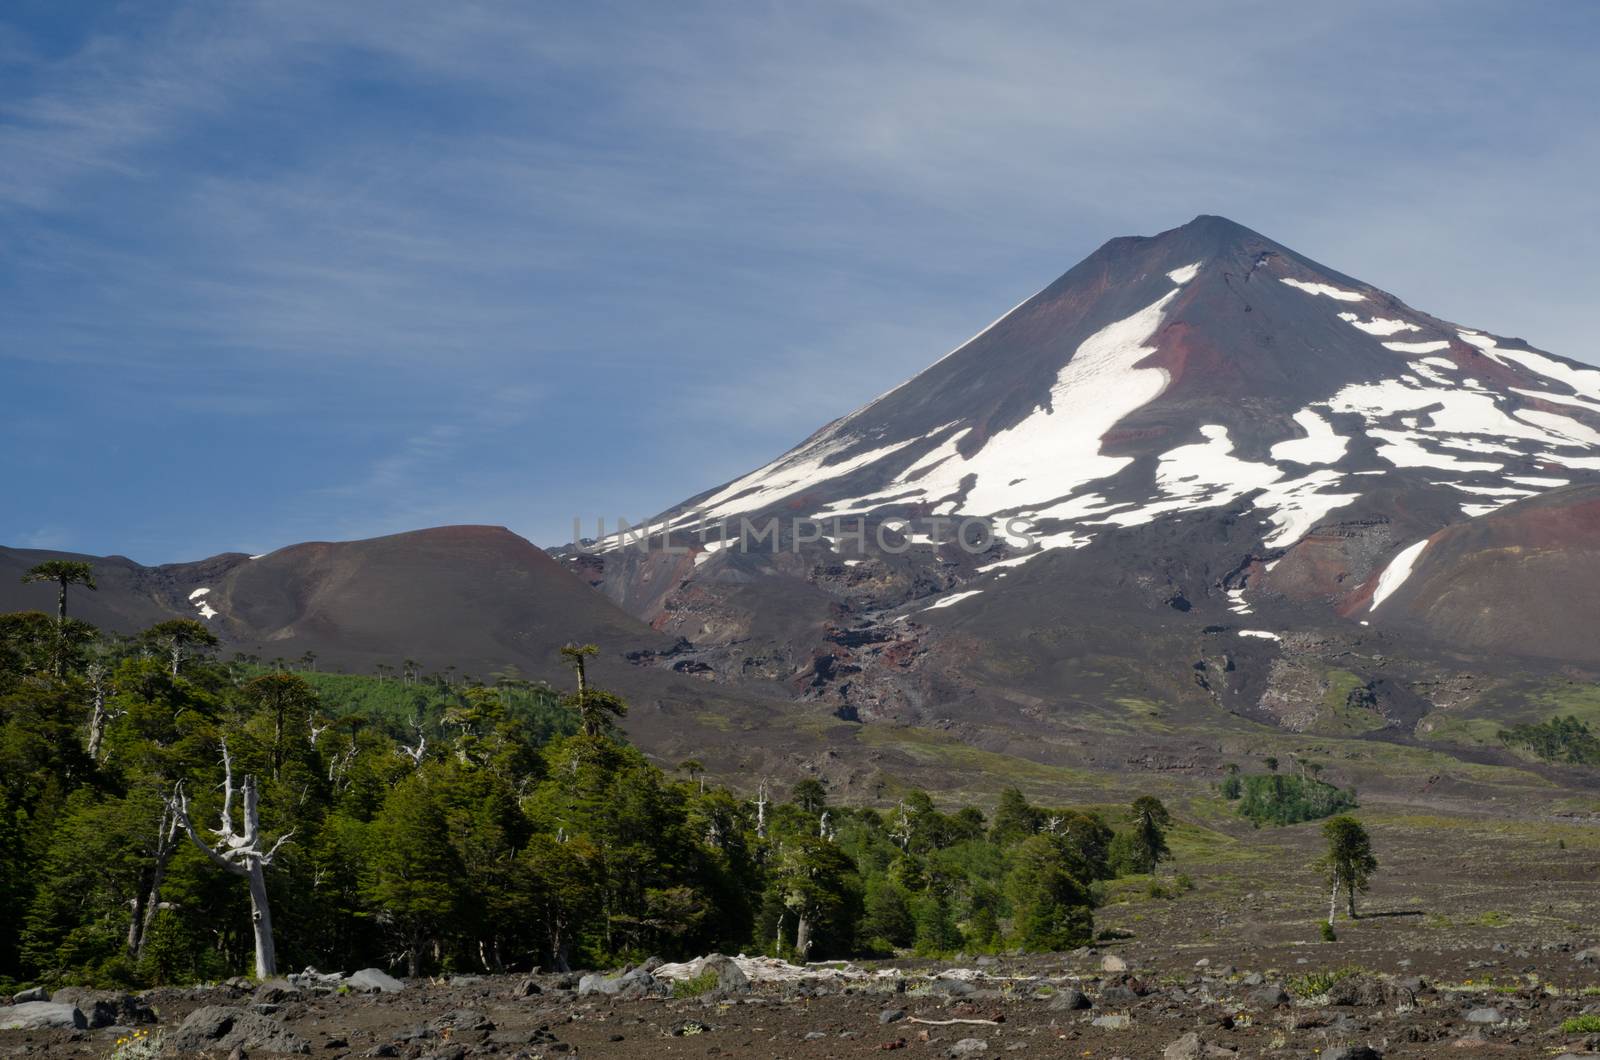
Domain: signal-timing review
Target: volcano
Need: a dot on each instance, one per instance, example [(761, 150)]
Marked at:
[(1216, 449)]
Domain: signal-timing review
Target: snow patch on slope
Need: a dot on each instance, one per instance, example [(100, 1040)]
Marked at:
[(1396, 573), (1377, 325), (1321, 445), (1185, 274), (1325, 289), (1417, 347), (953, 598)]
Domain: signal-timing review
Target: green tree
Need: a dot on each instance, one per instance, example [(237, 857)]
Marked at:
[(1349, 862), (1052, 908), (810, 795), (415, 876), (288, 700), (178, 637), (1014, 819), (817, 884)]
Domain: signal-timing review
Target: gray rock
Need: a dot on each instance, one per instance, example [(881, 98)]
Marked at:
[(42, 1016), (891, 1015), (969, 1047), (1253, 979), (33, 993), (463, 1019), (595, 983), (276, 992), (1069, 1001), (1119, 994), (730, 977), (1351, 1052), (639, 983), (107, 1008), (951, 987), (1588, 956), (373, 981), (1116, 1021), (1359, 991), (1112, 963), (216, 1027), (1270, 996), (1189, 1047), (1485, 1015)]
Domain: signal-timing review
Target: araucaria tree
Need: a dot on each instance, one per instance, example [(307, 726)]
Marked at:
[(1144, 845), (240, 853), (1349, 862), (63, 572), (597, 709)]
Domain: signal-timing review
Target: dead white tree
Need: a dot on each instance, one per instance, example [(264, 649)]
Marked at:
[(417, 752), (99, 714), (761, 809), (240, 853)]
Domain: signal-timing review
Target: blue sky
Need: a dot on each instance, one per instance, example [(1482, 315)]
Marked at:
[(296, 270)]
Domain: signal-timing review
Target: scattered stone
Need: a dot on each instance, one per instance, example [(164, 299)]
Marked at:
[(42, 1016), (1253, 979), (891, 1015), (33, 993), (373, 981), (1112, 963), (812, 1036), (1485, 1015), (969, 1047), (1351, 1052), (214, 1027), (1115, 1021), (528, 988)]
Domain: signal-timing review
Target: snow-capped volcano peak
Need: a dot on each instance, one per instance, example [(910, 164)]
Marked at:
[(1203, 368)]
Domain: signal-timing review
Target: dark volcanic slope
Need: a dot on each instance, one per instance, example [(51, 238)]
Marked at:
[(476, 597), (1524, 580)]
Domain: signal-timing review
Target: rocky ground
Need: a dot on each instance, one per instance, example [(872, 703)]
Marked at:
[(1091, 1003), (1481, 936)]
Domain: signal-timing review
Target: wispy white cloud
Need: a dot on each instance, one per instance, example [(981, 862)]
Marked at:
[(691, 233)]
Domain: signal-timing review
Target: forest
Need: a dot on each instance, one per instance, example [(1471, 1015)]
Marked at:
[(170, 817)]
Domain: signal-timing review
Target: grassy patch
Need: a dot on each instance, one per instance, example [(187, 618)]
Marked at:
[(1581, 1025), (934, 748)]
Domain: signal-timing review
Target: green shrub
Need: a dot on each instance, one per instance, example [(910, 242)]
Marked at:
[(1557, 740), (1314, 983), (1328, 934), (1277, 798), (1582, 1025), (699, 986)]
